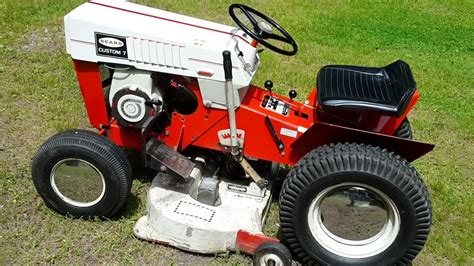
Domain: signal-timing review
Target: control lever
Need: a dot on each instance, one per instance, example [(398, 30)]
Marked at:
[(235, 152), (229, 96), (277, 140)]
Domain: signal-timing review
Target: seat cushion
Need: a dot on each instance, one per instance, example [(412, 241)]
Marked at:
[(386, 89)]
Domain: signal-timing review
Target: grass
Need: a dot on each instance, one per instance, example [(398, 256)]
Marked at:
[(39, 96)]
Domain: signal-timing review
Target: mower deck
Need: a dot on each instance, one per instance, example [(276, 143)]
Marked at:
[(174, 218)]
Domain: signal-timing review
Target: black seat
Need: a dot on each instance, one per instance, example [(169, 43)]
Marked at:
[(386, 89)]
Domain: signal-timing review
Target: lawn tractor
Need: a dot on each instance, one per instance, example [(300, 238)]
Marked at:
[(178, 91)]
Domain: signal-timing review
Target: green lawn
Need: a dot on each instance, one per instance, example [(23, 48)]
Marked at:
[(39, 96)]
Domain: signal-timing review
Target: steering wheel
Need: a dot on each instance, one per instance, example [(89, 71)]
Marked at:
[(263, 29)]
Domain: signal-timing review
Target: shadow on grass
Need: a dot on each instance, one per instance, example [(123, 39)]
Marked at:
[(140, 172), (279, 182), (130, 209), (145, 175)]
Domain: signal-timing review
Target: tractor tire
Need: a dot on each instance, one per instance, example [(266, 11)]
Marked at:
[(404, 130), (354, 204), (82, 174)]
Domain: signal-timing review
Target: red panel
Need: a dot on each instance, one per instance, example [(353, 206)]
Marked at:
[(124, 137), (312, 98), (90, 83), (259, 142), (248, 242), (185, 130), (200, 128)]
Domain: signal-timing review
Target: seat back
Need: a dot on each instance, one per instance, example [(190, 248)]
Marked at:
[(385, 89), (401, 79)]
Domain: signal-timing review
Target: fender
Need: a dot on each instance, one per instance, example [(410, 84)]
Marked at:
[(323, 133)]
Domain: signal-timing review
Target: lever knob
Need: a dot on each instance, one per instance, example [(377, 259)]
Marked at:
[(268, 85), (227, 65), (292, 94)]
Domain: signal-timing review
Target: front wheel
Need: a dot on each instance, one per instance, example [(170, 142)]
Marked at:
[(354, 204), (82, 174)]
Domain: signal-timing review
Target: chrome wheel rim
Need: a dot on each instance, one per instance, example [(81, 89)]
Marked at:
[(77, 182), (353, 220)]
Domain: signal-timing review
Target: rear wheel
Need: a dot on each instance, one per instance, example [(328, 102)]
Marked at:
[(82, 174), (404, 130), (354, 203)]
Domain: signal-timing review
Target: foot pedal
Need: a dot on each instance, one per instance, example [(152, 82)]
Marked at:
[(160, 154)]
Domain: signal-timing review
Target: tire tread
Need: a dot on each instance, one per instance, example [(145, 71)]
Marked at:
[(99, 144), (362, 158)]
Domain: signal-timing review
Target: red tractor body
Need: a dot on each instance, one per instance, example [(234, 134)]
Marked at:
[(304, 129)]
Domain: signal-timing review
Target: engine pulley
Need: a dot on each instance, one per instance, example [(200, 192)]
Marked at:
[(130, 108), (134, 97)]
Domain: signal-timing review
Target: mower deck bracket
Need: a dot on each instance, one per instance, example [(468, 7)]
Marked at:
[(163, 155)]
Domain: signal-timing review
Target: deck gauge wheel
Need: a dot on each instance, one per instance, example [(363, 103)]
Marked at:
[(272, 254)]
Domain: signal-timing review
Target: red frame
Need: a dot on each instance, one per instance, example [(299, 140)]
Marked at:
[(88, 75), (201, 128)]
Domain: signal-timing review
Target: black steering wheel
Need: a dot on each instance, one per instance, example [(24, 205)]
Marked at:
[(263, 29)]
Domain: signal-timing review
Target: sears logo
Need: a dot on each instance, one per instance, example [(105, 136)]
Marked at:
[(110, 45), (111, 42)]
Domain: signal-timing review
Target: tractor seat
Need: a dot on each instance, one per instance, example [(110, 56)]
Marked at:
[(386, 89)]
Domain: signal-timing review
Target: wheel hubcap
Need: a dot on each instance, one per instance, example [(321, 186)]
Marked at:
[(353, 220), (77, 182), (270, 260)]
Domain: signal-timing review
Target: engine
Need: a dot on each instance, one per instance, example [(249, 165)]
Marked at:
[(135, 99)]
